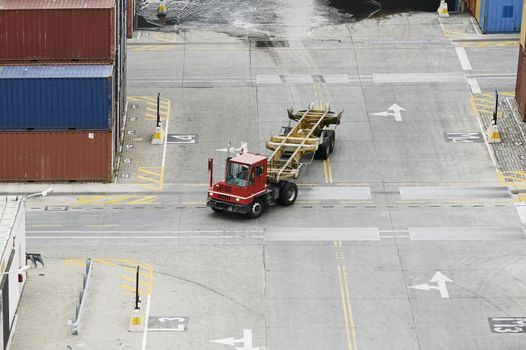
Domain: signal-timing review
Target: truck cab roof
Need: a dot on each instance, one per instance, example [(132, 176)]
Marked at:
[(248, 158)]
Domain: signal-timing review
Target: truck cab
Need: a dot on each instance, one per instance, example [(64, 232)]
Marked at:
[(245, 181)]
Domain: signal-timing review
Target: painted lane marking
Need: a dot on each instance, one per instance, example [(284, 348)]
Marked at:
[(75, 237), (147, 316), (466, 233), (320, 234), (474, 86), (463, 58), (350, 328), (440, 281), (232, 341), (393, 111), (47, 225)]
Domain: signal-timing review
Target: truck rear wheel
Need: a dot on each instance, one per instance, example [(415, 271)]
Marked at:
[(331, 134), (256, 209), (288, 193), (324, 148)]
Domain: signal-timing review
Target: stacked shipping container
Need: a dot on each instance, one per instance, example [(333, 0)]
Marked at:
[(520, 87), (62, 88), (497, 16)]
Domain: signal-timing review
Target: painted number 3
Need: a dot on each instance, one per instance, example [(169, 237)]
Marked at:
[(508, 329)]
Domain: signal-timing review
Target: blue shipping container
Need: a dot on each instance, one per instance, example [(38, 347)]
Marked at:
[(500, 16), (56, 97)]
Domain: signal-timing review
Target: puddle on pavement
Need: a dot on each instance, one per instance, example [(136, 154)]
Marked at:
[(262, 17)]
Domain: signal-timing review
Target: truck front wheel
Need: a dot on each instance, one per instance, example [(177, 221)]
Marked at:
[(288, 193), (256, 209)]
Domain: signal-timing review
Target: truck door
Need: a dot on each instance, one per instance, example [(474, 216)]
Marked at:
[(260, 177)]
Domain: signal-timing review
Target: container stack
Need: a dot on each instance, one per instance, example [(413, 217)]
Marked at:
[(62, 88), (520, 87), (497, 16)]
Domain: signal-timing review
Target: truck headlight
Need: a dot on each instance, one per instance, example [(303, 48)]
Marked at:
[(237, 199), (210, 194)]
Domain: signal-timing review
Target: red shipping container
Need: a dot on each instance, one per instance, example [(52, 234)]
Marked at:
[(130, 16), (520, 87), (57, 31), (472, 4), (56, 156)]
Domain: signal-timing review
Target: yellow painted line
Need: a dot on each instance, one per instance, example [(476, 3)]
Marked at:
[(325, 171), (137, 262), (147, 170), (88, 199), (149, 179), (78, 262), (346, 315), (117, 200), (150, 187), (132, 279), (47, 225), (329, 170), (155, 110), (348, 298), (132, 289), (106, 262), (145, 200)]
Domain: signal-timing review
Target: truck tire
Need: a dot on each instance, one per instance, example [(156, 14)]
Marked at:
[(288, 193), (323, 152), (256, 209), (331, 134)]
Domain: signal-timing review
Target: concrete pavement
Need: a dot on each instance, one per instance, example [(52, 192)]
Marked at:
[(322, 285)]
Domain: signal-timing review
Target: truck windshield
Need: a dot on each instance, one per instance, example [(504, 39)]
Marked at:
[(237, 174)]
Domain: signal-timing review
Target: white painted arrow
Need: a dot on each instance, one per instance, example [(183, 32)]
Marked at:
[(246, 341), (394, 111), (440, 281)]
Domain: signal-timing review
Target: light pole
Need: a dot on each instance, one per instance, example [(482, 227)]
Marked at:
[(43, 193)]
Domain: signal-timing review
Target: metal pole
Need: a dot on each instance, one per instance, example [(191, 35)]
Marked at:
[(158, 109), (137, 289), (495, 112)]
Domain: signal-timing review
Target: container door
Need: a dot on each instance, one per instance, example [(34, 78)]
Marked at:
[(520, 89)]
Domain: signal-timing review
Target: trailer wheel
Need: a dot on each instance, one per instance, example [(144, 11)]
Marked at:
[(256, 209), (324, 149), (331, 134), (288, 193)]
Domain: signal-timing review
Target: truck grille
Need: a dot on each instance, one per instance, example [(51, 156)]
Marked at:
[(224, 188), (223, 197)]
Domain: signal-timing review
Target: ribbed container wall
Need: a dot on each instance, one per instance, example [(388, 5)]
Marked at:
[(500, 16), (523, 27), (56, 97), (130, 15), (520, 87), (56, 156), (62, 88), (57, 31), (472, 5)]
